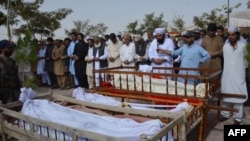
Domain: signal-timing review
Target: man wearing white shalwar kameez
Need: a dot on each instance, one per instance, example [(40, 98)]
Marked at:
[(114, 47), (161, 59), (233, 77), (127, 52), (89, 59), (40, 65)]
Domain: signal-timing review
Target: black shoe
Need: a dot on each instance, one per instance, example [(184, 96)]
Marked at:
[(222, 119), (236, 122), (247, 103), (55, 87), (41, 85)]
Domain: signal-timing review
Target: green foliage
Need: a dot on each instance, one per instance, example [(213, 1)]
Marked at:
[(2, 18), (178, 23), (150, 22), (30, 82), (215, 16), (247, 57), (26, 15), (26, 49), (25, 55), (87, 28)]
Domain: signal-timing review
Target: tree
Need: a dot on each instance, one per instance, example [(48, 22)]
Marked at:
[(132, 27), (86, 28), (150, 22), (214, 16), (8, 18), (98, 29), (2, 18), (25, 55), (178, 23), (42, 23)]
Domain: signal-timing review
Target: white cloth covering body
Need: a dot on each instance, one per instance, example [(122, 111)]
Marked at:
[(115, 127), (79, 94)]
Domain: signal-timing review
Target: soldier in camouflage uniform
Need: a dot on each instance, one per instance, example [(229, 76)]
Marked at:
[(10, 83)]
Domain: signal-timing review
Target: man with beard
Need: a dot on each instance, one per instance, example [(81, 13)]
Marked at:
[(10, 82), (40, 64), (57, 53), (212, 44), (233, 76), (49, 63), (192, 55), (197, 36), (100, 55), (141, 50), (80, 52), (160, 59), (68, 78)]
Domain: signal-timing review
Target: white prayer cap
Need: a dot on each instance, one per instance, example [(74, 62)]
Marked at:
[(160, 31), (233, 29), (101, 36), (183, 33), (137, 37), (89, 37)]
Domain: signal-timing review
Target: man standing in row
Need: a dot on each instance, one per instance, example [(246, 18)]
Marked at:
[(160, 59), (40, 64), (89, 59), (49, 63), (100, 55), (233, 77), (127, 51), (141, 50), (71, 57), (80, 52), (57, 53), (192, 55), (114, 47), (213, 44)]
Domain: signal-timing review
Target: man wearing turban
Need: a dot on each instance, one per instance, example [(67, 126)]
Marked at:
[(157, 58)]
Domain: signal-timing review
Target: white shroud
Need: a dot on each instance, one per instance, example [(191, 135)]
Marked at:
[(80, 94), (122, 129)]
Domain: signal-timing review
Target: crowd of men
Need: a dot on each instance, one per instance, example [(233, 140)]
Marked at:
[(69, 63)]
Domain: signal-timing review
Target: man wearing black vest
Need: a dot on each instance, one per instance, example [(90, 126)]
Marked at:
[(141, 50), (100, 55)]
